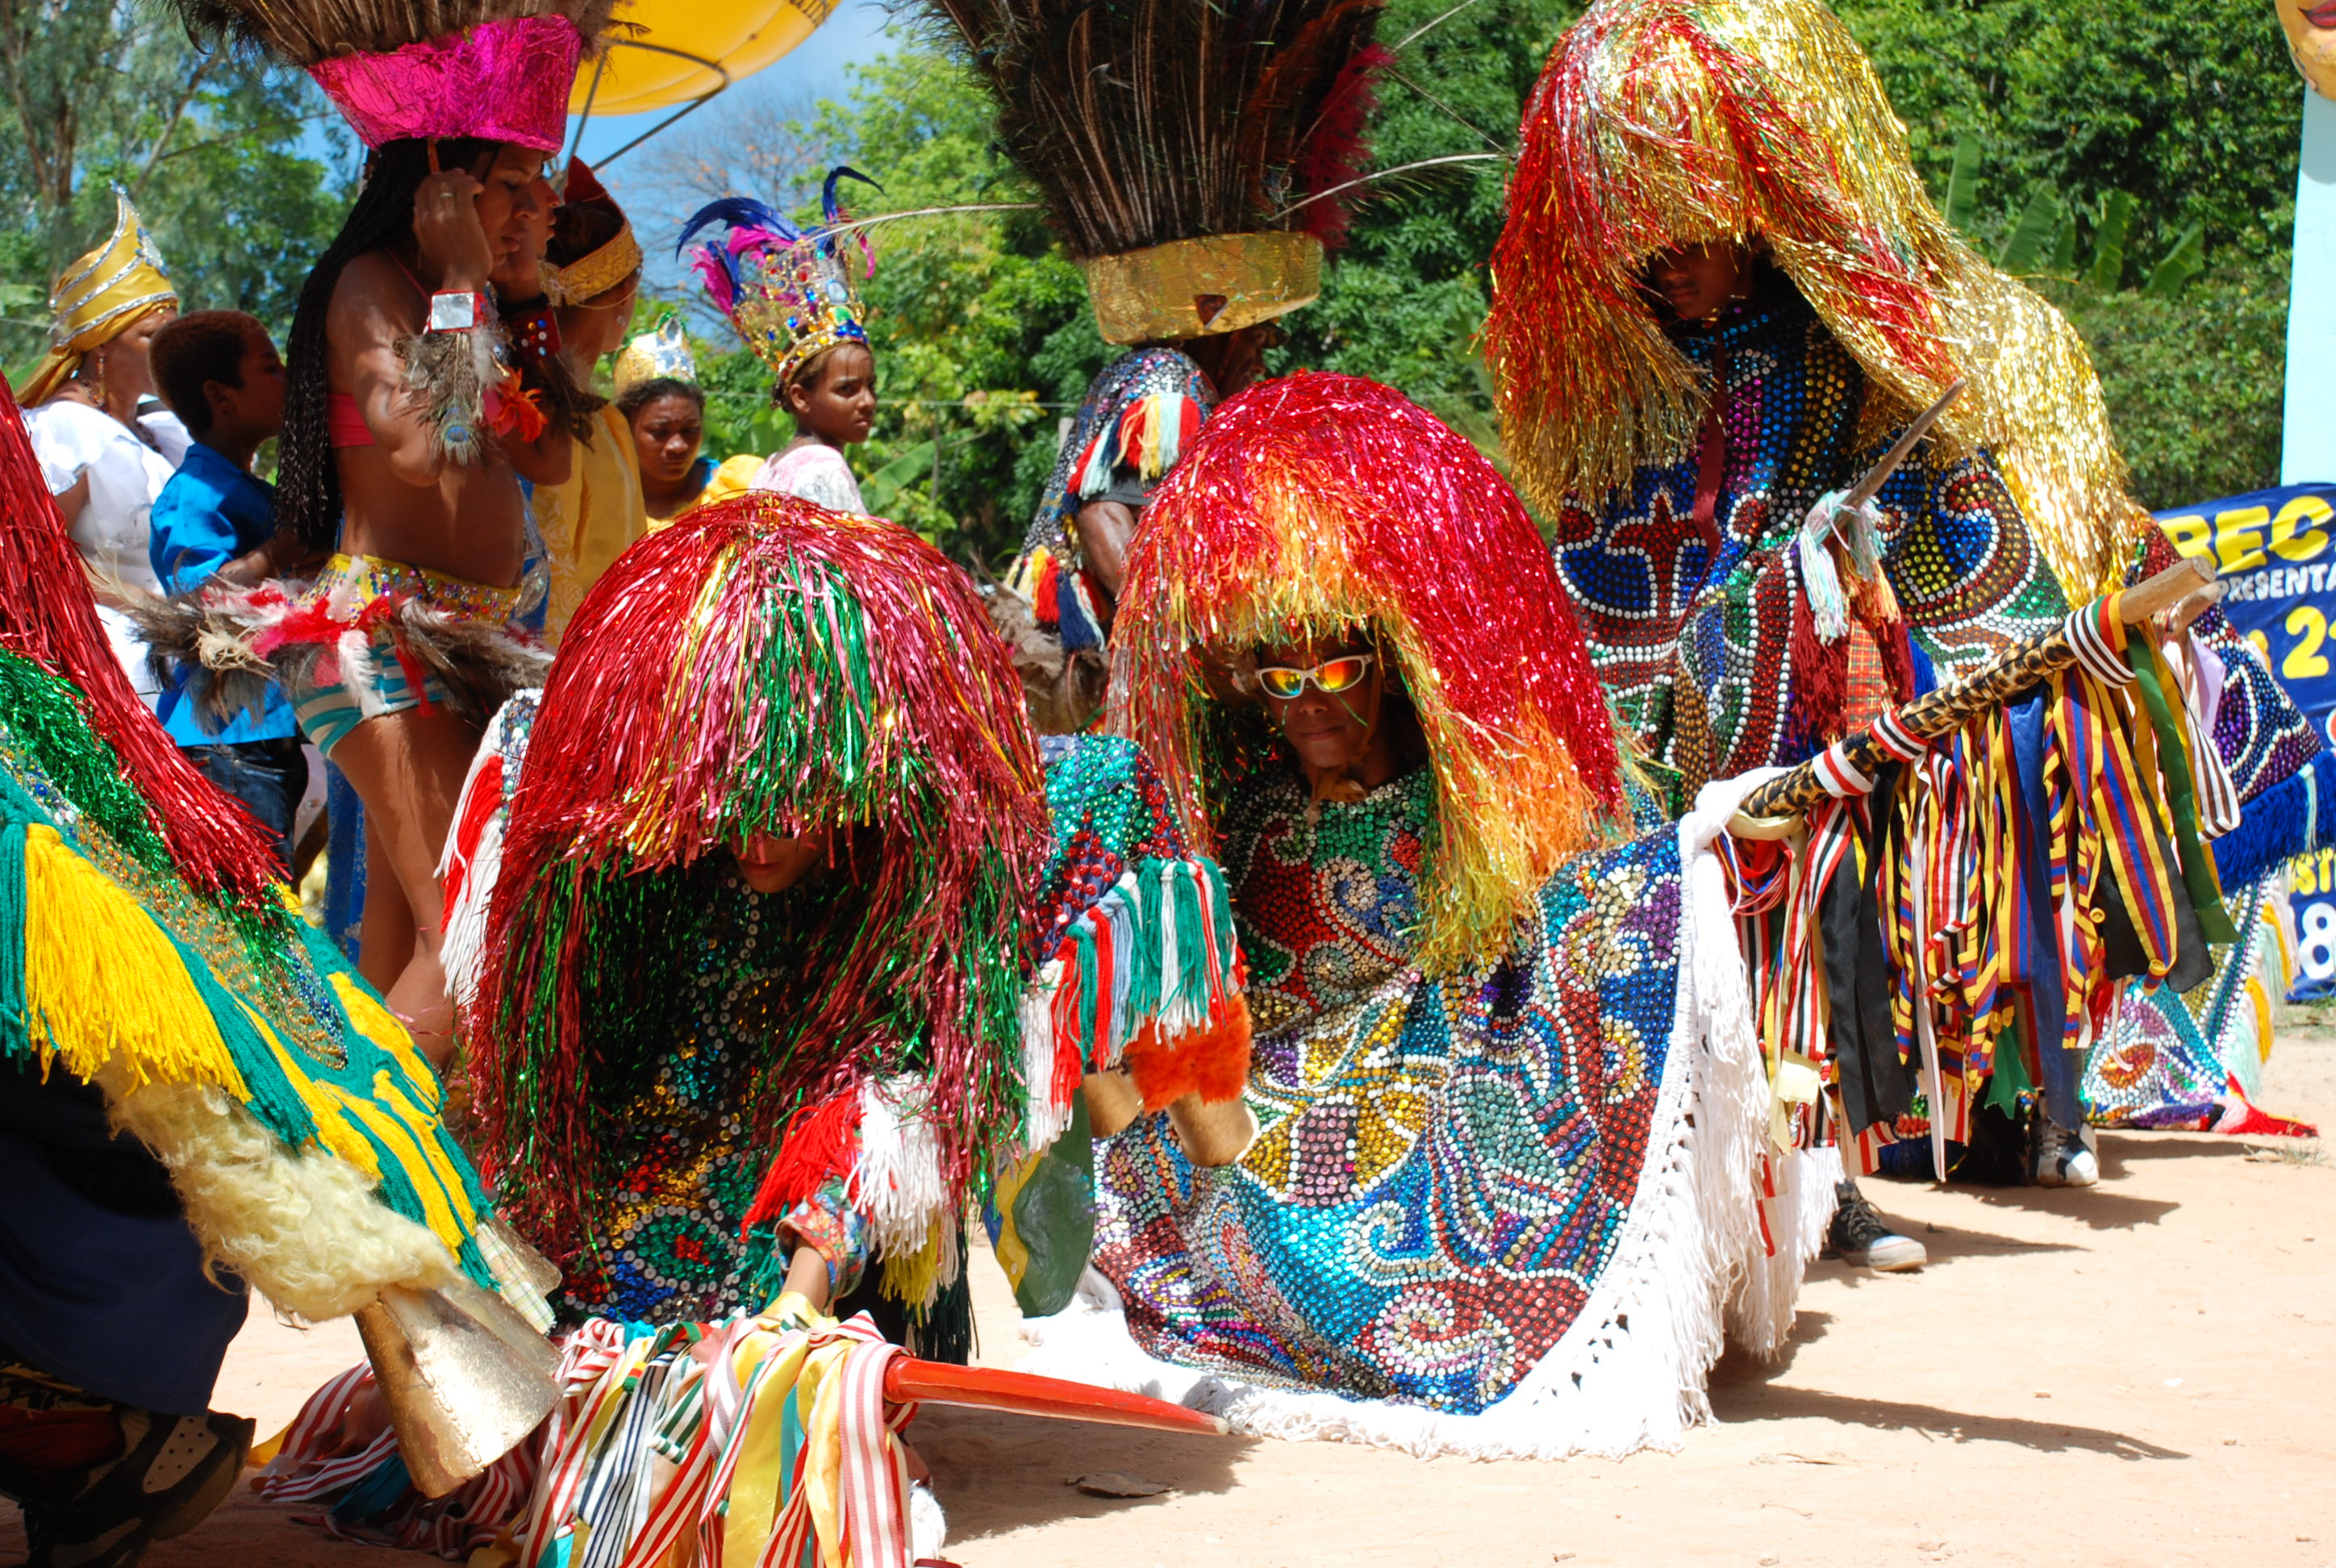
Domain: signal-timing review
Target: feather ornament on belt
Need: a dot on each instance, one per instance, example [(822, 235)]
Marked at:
[(231, 645)]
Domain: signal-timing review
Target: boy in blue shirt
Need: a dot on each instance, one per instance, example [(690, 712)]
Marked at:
[(220, 373)]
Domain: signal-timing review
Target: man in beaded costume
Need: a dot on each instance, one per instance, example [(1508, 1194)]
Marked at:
[(819, 835), (1490, 1063), (779, 939), (1721, 291)]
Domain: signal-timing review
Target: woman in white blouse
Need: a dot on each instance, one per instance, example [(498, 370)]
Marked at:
[(82, 412)]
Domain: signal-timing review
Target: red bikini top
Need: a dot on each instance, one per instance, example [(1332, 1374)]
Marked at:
[(345, 423)]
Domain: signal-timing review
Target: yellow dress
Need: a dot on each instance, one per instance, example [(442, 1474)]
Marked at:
[(734, 477), (589, 520)]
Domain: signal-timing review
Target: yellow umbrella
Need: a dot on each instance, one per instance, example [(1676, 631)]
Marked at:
[(677, 52)]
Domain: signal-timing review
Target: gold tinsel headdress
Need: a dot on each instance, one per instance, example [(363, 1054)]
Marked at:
[(99, 297), (1661, 123)]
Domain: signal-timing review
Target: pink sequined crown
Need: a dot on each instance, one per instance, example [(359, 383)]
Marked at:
[(503, 81)]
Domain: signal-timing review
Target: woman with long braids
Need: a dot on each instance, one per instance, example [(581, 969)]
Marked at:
[(366, 460), (408, 430)]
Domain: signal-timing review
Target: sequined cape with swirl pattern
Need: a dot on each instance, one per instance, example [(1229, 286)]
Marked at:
[(1444, 1164), (1662, 597)]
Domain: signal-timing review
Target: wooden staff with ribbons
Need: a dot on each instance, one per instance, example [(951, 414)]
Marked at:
[(1849, 765)]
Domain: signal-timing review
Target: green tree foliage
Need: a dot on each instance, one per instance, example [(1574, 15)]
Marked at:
[(2192, 108), (2194, 381), (2139, 167), (212, 149)]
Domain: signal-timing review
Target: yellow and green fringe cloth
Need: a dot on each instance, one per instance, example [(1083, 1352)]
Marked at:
[(115, 968)]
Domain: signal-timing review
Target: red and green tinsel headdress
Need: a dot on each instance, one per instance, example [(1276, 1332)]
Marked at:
[(766, 667), (1663, 122), (1316, 503)]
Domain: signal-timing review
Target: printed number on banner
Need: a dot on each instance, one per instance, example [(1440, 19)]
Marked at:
[(2305, 660), (2316, 953)]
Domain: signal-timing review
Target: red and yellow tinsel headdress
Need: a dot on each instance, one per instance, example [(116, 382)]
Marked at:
[(1314, 504), (767, 667), (1661, 123)]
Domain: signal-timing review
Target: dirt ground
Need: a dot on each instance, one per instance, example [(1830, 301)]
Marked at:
[(2141, 1374)]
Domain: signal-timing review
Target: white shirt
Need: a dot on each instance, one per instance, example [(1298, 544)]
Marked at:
[(813, 471), (164, 431), (125, 474)]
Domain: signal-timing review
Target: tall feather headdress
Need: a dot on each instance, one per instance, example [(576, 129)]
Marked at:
[(1660, 122), (1314, 505), (1170, 140), (790, 294)]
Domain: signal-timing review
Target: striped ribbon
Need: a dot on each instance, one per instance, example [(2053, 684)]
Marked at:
[(2118, 818), (2098, 634), (1889, 731), (589, 1356), (292, 1476), (2219, 807), (1838, 775)]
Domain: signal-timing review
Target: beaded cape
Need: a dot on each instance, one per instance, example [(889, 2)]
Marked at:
[(2193, 1063), (1666, 598), (676, 1232), (1446, 1162)]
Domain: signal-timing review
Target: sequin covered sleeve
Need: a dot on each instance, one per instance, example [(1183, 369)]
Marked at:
[(828, 1224)]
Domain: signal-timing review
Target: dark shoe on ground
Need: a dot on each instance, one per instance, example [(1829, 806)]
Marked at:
[(172, 1471), (1859, 1237)]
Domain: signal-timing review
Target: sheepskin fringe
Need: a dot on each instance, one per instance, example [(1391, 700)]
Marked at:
[(303, 1228), (1630, 1374), (1044, 1112), (898, 1185)]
